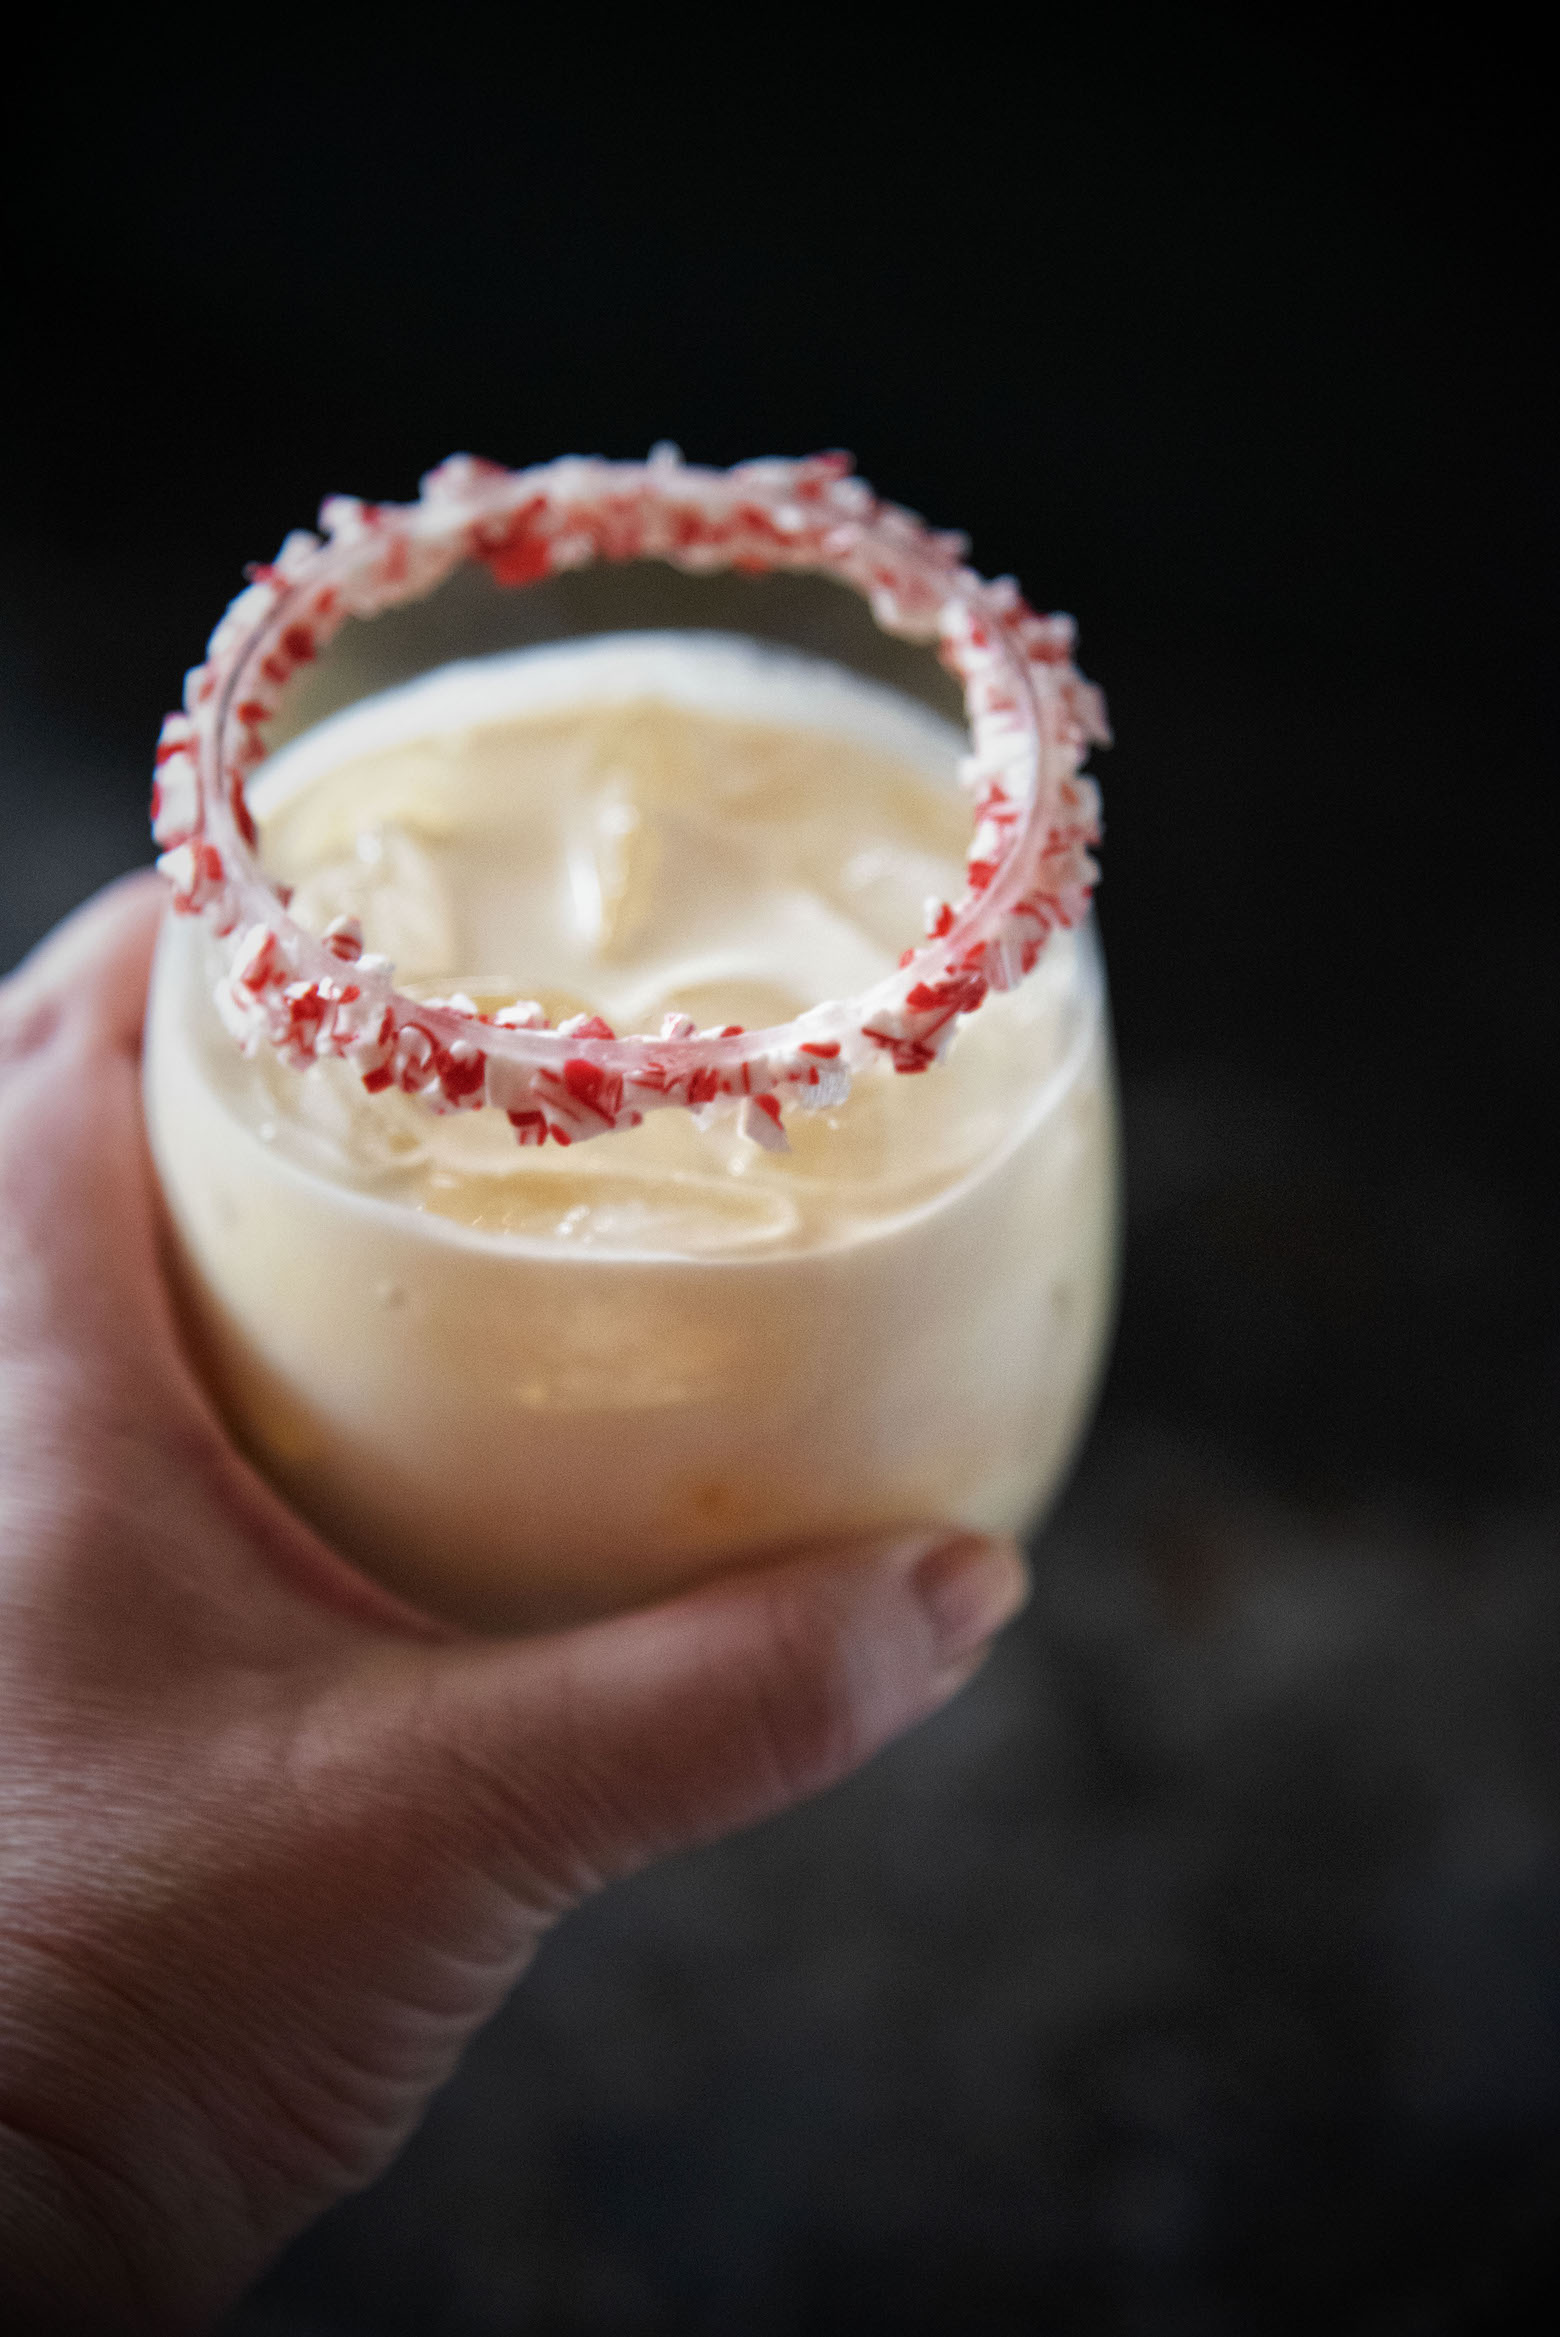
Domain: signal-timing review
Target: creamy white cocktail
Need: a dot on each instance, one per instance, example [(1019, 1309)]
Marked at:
[(522, 1382)]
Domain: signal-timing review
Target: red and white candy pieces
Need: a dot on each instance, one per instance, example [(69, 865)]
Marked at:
[(1031, 715)]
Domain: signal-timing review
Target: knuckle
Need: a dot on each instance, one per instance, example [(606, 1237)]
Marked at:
[(528, 1807), (529, 1822), (805, 1702)]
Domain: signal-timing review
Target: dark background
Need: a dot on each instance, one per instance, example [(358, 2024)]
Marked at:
[(1201, 1970)]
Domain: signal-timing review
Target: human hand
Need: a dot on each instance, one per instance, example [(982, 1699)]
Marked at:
[(271, 1845)]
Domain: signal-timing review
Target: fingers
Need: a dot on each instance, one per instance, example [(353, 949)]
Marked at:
[(78, 1273), (94, 966), (90, 1358), (565, 1760)]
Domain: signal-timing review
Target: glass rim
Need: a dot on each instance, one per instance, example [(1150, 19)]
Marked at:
[(1030, 714)]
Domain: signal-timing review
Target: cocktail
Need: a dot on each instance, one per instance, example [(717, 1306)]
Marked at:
[(670, 1119)]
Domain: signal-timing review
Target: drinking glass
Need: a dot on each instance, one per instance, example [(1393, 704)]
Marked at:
[(536, 1320)]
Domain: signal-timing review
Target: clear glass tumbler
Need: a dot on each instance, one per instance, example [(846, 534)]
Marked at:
[(825, 1275)]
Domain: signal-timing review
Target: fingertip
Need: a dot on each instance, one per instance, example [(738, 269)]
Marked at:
[(970, 1586), (937, 1603), (99, 957)]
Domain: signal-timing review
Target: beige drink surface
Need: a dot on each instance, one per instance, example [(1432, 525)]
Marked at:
[(525, 1384)]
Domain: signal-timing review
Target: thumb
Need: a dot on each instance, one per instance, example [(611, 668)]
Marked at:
[(563, 1761)]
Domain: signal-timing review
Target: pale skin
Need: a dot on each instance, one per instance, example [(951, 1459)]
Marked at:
[(272, 1846)]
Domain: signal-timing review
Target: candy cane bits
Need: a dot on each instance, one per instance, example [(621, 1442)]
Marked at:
[(1031, 715)]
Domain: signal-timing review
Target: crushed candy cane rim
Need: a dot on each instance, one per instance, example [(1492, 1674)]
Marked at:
[(1031, 715)]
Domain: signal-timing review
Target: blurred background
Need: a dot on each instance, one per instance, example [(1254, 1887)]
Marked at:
[(1199, 1972)]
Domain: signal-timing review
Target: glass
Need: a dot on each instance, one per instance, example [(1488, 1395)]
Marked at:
[(527, 1382)]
